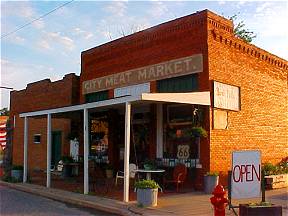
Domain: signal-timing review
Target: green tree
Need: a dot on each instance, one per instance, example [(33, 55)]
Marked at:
[(4, 112), (241, 31)]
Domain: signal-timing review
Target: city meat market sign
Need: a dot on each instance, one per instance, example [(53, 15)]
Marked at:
[(246, 174), (164, 70)]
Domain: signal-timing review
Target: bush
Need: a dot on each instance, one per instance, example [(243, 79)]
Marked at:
[(280, 168), (146, 184), (17, 167), (212, 173)]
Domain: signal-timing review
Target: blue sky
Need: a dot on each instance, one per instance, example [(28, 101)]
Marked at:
[(51, 47)]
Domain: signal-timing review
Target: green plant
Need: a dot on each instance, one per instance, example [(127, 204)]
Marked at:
[(17, 167), (150, 164), (146, 184), (212, 173), (198, 132)]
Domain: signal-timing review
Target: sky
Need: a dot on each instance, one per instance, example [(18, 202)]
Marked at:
[(51, 47)]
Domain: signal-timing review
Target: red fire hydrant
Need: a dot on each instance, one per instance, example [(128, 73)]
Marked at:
[(219, 201)]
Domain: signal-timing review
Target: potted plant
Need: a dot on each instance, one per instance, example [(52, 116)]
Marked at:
[(67, 168), (17, 172), (147, 192), (149, 164), (259, 209), (211, 180), (198, 132), (109, 171)]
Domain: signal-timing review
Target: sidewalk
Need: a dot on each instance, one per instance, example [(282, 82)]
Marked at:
[(195, 203)]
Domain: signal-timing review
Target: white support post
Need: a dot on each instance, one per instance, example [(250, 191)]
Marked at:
[(25, 149), (127, 150), (86, 152), (49, 149), (159, 152)]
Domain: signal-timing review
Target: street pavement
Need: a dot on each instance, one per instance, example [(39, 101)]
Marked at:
[(14, 202)]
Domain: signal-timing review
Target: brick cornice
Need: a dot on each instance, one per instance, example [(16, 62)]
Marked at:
[(249, 49)]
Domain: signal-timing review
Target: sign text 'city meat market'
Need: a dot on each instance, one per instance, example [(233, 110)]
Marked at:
[(177, 67)]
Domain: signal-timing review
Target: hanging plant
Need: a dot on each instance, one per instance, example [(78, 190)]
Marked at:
[(198, 132)]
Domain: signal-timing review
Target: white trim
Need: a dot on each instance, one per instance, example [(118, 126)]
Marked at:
[(127, 151), (201, 98), (25, 150), (104, 103), (86, 152)]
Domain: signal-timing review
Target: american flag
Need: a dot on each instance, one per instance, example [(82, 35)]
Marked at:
[(3, 133)]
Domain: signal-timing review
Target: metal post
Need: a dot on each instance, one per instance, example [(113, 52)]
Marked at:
[(25, 149), (159, 131), (127, 150), (48, 180), (86, 152)]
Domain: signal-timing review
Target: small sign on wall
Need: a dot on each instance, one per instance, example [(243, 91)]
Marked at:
[(226, 96), (246, 174), (183, 151)]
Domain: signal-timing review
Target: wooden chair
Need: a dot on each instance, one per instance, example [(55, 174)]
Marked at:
[(132, 173), (179, 176)]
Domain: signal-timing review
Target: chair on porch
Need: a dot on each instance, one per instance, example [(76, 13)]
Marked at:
[(179, 176), (132, 173)]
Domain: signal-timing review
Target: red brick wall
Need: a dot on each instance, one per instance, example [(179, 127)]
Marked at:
[(175, 39), (37, 152), (262, 122), (40, 96)]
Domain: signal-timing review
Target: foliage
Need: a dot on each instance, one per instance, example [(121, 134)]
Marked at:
[(17, 167), (198, 132), (280, 168), (4, 112), (146, 184), (150, 164), (260, 204), (241, 32), (67, 159), (212, 173)]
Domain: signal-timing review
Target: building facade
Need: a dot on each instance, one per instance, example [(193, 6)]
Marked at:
[(195, 53)]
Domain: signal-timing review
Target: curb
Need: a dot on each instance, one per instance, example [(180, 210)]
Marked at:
[(124, 211)]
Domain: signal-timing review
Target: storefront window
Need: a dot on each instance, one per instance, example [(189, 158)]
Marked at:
[(99, 138), (179, 144)]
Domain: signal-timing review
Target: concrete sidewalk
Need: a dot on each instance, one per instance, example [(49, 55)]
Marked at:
[(195, 203)]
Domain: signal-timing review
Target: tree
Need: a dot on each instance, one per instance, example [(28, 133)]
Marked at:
[(241, 32), (4, 112)]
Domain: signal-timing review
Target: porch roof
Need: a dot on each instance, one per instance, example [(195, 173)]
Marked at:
[(200, 98)]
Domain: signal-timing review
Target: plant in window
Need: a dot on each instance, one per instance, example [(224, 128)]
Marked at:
[(198, 132)]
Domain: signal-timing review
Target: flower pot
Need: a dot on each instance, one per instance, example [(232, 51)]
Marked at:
[(210, 182), (17, 174), (109, 173), (246, 210), (67, 170), (147, 197)]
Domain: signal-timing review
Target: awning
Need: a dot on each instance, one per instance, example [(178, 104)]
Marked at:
[(200, 98)]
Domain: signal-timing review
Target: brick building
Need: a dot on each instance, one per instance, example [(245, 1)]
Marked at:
[(197, 53)]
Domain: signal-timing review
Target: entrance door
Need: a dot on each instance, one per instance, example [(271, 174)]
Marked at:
[(56, 147)]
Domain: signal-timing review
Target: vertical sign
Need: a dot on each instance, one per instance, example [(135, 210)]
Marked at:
[(246, 174)]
